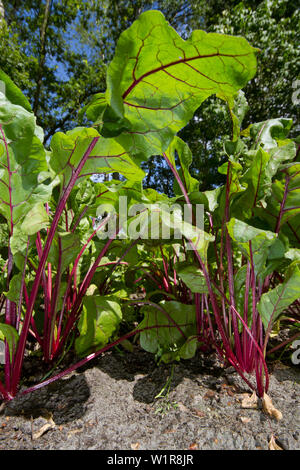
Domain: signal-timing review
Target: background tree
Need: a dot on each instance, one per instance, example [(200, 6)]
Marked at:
[(40, 52), (272, 26)]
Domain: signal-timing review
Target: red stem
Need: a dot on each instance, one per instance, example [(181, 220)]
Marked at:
[(179, 181), (281, 210), (24, 333), (78, 302), (90, 357)]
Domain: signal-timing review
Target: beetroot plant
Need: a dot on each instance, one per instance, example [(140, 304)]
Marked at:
[(66, 275), (248, 277)]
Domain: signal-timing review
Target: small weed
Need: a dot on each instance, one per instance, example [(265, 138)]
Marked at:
[(163, 396)]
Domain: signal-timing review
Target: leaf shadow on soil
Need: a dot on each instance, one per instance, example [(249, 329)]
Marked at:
[(150, 377), (64, 401)]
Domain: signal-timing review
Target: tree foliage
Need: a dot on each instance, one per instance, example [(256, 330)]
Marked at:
[(58, 54)]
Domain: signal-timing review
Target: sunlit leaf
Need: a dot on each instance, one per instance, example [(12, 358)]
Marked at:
[(157, 80), (276, 300), (10, 335), (99, 320)]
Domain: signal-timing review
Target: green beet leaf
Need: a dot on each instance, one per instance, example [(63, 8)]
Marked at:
[(99, 320), (64, 249), (293, 254), (36, 219), (94, 110), (285, 152), (274, 302), (24, 176), (249, 238), (167, 337), (107, 156), (235, 186), (238, 108), (267, 133), (10, 335), (15, 285), (178, 148), (12, 92), (164, 221), (188, 350), (193, 277), (282, 211), (157, 80), (257, 183)]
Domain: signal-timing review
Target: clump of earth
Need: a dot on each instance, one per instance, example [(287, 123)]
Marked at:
[(111, 404)]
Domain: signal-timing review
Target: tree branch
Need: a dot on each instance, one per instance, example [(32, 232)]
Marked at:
[(42, 57)]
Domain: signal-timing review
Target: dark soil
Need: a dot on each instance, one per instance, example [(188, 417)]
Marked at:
[(111, 405)]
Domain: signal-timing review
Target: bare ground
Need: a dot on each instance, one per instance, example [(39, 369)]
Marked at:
[(111, 405)]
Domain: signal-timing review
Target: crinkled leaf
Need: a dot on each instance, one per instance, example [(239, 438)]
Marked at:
[(267, 133), (238, 107), (281, 154)]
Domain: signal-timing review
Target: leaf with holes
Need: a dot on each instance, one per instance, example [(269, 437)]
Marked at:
[(106, 157)]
